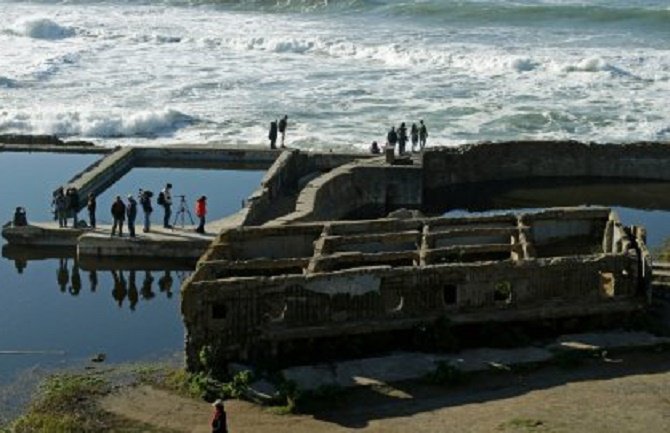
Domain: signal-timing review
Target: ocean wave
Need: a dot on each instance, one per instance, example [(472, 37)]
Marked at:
[(147, 124), (8, 83), (41, 28)]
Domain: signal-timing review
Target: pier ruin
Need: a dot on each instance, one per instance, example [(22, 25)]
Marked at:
[(313, 253)]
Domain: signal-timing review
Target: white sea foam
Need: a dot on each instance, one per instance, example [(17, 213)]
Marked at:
[(96, 124), (41, 28)]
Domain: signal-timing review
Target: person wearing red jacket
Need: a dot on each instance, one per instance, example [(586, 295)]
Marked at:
[(219, 422), (200, 212)]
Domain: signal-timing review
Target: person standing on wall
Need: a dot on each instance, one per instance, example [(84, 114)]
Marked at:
[(272, 135), (392, 137), (119, 215), (165, 200), (402, 138), (200, 212), (219, 421), (414, 136), (91, 206), (423, 135), (145, 202), (283, 123), (131, 212)]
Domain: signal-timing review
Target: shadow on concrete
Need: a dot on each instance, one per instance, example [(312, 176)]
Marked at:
[(356, 409)]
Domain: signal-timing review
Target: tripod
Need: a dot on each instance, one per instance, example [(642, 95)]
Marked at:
[(182, 213)]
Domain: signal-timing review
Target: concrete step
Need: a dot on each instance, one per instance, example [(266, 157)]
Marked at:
[(661, 265)]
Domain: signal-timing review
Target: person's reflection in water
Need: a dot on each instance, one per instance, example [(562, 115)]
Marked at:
[(63, 275), (75, 286), (147, 293), (93, 279), (20, 265), (120, 291), (165, 284), (133, 296)]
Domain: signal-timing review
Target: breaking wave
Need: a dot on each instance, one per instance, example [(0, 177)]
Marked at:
[(41, 28), (145, 124)]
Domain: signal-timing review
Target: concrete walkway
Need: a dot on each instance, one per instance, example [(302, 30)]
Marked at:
[(175, 243)]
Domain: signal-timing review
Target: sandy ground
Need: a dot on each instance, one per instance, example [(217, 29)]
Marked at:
[(627, 394)]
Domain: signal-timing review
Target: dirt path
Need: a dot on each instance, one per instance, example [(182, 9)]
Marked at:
[(629, 395)]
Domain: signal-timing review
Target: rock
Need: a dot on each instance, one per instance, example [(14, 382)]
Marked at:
[(100, 357), (30, 139), (405, 214)]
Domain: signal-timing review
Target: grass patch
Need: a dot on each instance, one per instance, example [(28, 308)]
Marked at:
[(67, 403), (523, 424)]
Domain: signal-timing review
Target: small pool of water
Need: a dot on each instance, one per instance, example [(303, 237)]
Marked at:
[(69, 310), (637, 203), (225, 190), (29, 179)]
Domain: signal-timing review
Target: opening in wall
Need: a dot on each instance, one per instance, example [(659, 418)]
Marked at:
[(219, 311), (607, 284), (450, 294)]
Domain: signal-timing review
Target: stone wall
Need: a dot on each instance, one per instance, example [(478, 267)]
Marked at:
[(490, 162), (361, 186)]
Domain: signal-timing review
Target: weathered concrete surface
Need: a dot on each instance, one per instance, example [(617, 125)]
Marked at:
[(175, 244), (64, 148), (360, 186), (42, 235), (407, 366), (159, 243), (492, 162)]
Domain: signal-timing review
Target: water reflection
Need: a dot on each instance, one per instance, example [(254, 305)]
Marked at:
[(132, 284)]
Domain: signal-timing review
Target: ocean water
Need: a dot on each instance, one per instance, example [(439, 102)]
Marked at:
[(157, 71)]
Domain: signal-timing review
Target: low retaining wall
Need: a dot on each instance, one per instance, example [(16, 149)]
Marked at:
[(491, 162), (355, 187)]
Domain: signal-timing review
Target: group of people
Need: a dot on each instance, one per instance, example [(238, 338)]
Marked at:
[(278, 128), (65, 205), (124, 213), (418, 135)]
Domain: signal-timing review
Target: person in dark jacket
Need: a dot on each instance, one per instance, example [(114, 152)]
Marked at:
[(91, 206), (145, 202), (219, 421), (272, 135), (73, 204), (119, 215), (283, 123), (423, 134), (374, 148), (131, 212), (392, 137), (60, 207), (414, 136), (402, 138)]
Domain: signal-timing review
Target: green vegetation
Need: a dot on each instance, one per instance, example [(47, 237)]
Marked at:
[(523, 424), (67, 404)]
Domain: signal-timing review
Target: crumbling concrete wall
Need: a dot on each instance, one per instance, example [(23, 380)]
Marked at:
[(489, 162), (360, 186)]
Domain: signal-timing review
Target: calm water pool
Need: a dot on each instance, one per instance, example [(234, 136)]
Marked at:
[(57, 304)]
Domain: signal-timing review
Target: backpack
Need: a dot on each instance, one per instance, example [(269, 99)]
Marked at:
[(161, 198)]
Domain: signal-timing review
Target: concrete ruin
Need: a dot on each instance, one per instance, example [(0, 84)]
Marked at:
[(312, 255), (260, 287)]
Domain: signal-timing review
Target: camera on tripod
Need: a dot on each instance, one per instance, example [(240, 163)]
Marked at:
[(182, 212)]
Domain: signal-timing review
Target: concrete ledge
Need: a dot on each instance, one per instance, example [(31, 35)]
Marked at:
[(411, 366)]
